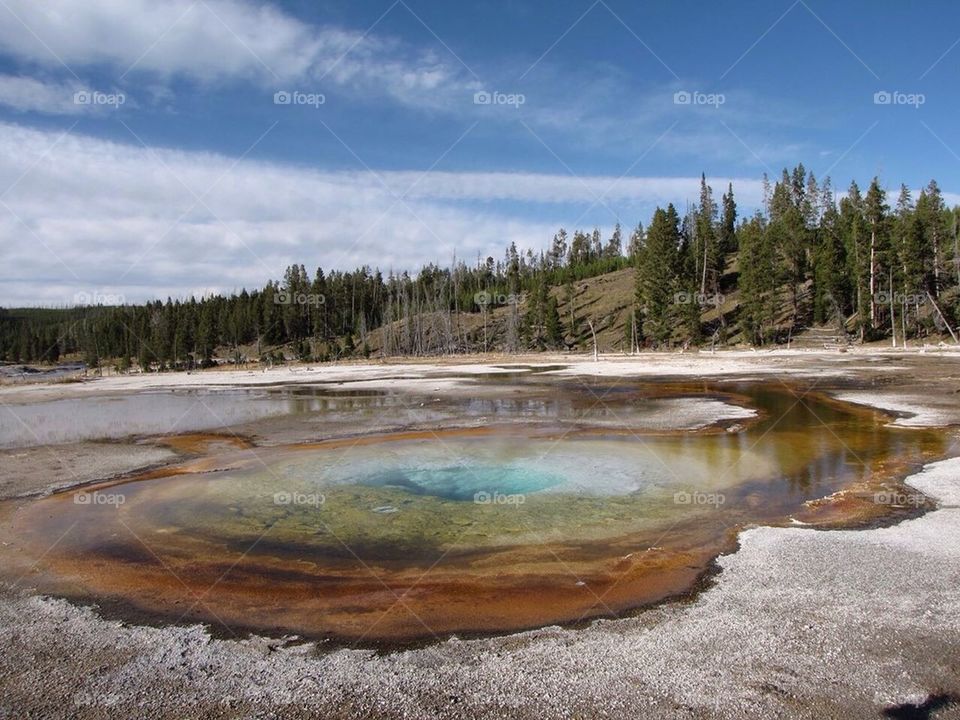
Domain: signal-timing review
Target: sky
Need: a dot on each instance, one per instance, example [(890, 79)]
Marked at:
[(152, 149)]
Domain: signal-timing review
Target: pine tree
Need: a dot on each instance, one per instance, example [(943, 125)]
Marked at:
[(688, 275), (552, 330), (790, 235), (558, 250), (831, 289), (875, 212), (728, 223), (569, 298), (636, 244), (932, 214), (856, 233), (902, 220), (655, 277), (758, 281)]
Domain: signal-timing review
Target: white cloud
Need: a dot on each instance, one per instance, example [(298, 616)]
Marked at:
[(145, 46), (90, 215), (206, 40), (28, 94), (217, 40)]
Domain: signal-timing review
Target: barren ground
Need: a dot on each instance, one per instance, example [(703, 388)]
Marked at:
[(797, 623)]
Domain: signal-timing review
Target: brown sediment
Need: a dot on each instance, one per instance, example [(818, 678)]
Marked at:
[(515, 589), (203, 443)]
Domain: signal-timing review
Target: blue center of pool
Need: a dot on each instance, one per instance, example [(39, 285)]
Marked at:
[(460, 482)]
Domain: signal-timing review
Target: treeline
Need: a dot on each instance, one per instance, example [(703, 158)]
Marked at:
[(323, 316), (856, 264)]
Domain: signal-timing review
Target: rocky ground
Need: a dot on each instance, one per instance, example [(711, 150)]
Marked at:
[(797, 623)]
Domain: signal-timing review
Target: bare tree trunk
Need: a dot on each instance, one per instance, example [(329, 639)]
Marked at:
[(937, 308), (703, 278), (858, 280), (873, 276), (596, 356), (903, 323), (893, 321), (936, 263), (484, 311)]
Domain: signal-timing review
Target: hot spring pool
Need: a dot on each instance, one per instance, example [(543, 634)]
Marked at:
[(394, 536)]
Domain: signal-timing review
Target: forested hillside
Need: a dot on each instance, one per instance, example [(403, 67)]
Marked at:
[(865, 264)]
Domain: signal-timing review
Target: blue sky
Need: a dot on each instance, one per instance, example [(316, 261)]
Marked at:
[(179, 169)]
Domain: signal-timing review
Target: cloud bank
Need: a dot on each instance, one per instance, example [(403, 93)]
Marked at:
[(80, 214)]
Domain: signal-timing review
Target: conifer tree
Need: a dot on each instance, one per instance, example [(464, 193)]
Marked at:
[(655, 274), (876, 214), (758, 281)]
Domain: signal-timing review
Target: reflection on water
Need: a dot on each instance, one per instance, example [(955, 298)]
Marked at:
[(525, 521), (166, 412), (154, 413)]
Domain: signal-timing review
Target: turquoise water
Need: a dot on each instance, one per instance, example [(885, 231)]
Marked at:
[(463, 482), (456, 468)]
